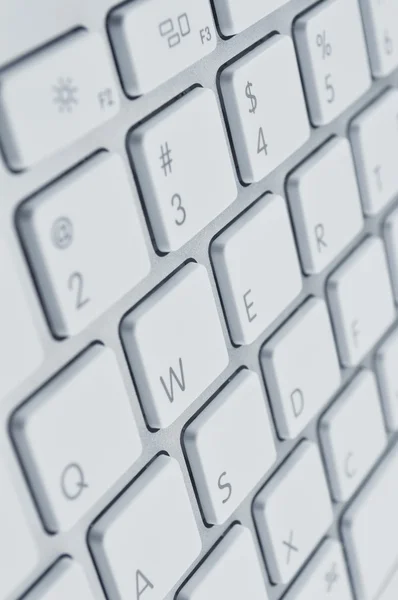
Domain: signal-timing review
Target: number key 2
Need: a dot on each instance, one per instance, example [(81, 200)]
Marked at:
[(75, 234)]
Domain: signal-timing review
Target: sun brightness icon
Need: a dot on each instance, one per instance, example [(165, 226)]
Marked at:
[(65, 94)]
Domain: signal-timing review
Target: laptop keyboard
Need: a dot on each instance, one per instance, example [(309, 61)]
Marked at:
[(199, 277)]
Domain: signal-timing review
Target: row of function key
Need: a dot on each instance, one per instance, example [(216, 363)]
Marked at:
[(330, 41)]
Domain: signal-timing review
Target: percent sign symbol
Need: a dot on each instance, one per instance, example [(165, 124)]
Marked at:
[(323, 43)]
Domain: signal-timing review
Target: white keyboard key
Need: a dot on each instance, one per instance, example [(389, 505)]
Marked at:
[(361, 301), (234, 16), (178, 34), (293, 512), (148, 538), (232, 571), (353, 435), (374, 138), (387, 374), (302, 348), (381, 28), (64, 581), (333, 58), (226, 472), (21, 351), (370, 532), (256, 286), (79, 275), (265, 107), (18, 552), (325, 578), (325, 204), (60, 435), (72, 90), (390, 591), (175, 345), (391, 238), (184, 168)]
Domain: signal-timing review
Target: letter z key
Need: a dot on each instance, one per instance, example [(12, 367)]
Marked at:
[(175, 345)]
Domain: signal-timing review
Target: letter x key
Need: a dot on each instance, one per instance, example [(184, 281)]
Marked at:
[(290, 547)]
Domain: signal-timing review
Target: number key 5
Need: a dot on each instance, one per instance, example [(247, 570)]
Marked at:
[(332, 52)]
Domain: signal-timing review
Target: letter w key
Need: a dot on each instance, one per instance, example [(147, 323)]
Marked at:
[(175, 345), (173, 376)]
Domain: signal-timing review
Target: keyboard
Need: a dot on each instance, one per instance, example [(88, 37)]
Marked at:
[(198, 305)]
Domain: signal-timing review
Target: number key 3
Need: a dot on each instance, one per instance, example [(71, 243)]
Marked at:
[(186, 174)]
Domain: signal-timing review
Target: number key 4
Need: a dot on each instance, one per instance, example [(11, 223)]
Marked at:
[(263, 133)]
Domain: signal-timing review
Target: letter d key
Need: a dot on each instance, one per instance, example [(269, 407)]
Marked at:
[(297, 401)]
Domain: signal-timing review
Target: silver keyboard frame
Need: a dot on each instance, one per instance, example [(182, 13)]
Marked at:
[(25, 26)]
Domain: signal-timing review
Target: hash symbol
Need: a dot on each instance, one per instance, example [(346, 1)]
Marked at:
[(166, 159), (65, 94)]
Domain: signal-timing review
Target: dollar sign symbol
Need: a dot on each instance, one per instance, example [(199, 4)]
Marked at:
[(252, 98)]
